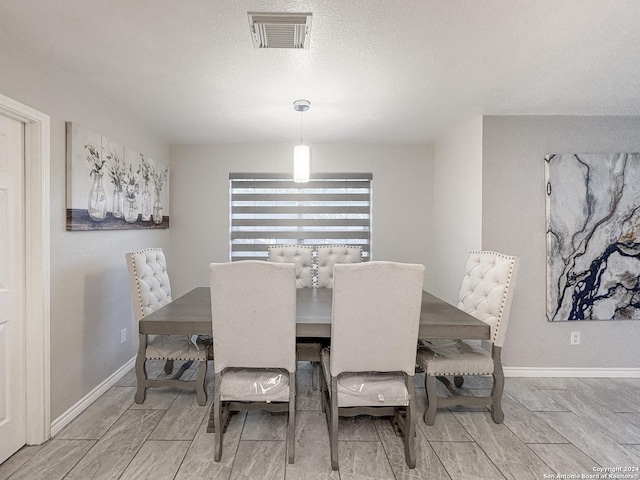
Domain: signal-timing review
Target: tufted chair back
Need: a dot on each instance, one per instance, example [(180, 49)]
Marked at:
[(329, 256), (301, 256), (487, 290), (149, 280)]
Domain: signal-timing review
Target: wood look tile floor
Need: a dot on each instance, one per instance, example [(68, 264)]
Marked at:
[(552, 426)]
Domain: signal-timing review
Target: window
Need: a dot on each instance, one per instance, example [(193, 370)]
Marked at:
[(269, 209)]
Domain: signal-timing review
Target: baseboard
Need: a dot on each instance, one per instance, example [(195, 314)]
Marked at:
[(571, 372), (65, 419)]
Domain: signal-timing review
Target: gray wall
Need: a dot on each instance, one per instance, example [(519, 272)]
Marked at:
[(513, 212), (457, 205), (200, 198), (90, 300)]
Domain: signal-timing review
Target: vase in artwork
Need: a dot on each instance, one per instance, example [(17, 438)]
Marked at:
[(97, 199), (157, 212), (146, 203), (118, 203), (130, 211)]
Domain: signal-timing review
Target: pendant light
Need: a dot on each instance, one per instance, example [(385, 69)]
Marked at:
[(301, 152)]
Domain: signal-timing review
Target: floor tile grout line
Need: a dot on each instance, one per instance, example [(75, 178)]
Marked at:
[(75, 464), (568, 441), (386, 453), (489, 458), (235, 455), (527, 445), (140, 446), (183, 457), (485, 452), (440, 459)]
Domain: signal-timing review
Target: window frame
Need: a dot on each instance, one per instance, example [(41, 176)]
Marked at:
[(318, 212)]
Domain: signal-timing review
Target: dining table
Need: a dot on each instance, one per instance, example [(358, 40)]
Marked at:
[(190, 314)]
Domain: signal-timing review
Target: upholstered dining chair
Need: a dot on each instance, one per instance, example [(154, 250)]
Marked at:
[(307, 350), (150, 290), (370, 366), (301, 256), (326, 257), (253, 310), (329, 256), (486, 293)]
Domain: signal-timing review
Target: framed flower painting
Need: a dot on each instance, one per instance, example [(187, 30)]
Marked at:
[(111, 186)]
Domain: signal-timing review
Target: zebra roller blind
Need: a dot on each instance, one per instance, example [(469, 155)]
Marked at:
[(271, 209)]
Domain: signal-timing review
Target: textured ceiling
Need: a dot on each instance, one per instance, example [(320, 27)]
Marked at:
[(397, 71)]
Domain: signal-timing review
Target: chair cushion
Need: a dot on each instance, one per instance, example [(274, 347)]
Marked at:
[(363, 389), (454, 357), (254, 385), (175, 347)]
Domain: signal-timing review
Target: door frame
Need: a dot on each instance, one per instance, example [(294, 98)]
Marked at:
[(37, 178)]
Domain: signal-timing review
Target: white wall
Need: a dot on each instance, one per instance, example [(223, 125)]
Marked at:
[(513, 214), (90, 300), (457, 204), (200, 199)]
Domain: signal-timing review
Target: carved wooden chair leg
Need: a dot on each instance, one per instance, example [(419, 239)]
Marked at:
[(200, 390), (315, 373), (496, 394), (168, 367), (432, 400), (323, 391), (410, 424), (291, 427), (333, 430), (141, 371), (217, 414), (183, 368)]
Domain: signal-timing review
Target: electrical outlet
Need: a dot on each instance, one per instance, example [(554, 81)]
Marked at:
[(575, 338), (123, 335)]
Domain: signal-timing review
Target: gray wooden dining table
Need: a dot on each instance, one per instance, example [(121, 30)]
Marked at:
[(190, 314)]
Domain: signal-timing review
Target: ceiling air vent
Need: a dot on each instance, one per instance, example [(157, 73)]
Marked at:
[(280, 30)]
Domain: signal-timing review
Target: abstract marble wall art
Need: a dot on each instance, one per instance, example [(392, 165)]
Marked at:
[(593, 236)]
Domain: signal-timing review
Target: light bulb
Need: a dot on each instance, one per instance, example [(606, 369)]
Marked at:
[(301, 163)]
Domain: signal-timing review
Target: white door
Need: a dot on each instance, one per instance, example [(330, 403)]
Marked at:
[(12, 286)]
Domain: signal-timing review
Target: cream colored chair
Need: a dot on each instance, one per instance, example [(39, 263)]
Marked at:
[(253, 309), (329, 256), (150, 290), (486, 293), (370, 366), (301, 256), (307, 350)]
